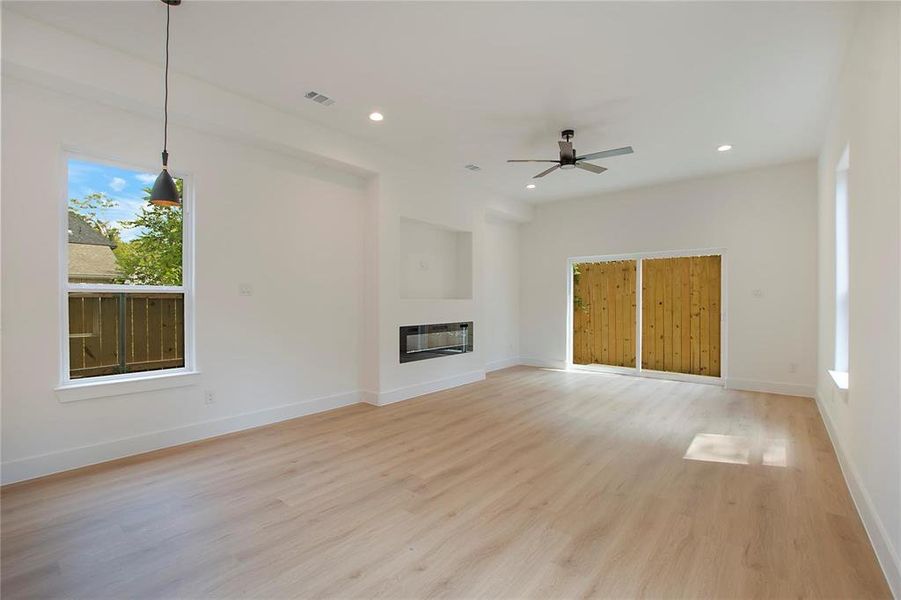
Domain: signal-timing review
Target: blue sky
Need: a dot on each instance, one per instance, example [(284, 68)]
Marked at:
[(125, 186)]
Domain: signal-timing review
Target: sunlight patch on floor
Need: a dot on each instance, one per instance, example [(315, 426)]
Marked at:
[(775, 453), (714, 447), (737, 450)]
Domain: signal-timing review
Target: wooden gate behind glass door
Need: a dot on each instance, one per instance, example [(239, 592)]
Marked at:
[(680, 314), (604, 313)]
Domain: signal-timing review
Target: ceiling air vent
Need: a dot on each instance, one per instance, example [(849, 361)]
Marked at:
[(473, 167), (319, 98)]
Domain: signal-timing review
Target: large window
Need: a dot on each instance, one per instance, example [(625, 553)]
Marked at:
[(842, 258), (127, 275)]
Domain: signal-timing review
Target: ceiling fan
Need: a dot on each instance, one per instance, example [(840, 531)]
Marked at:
[(569, 160)]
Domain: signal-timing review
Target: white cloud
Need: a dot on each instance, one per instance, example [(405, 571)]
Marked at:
[(145, 177), (117, 184)]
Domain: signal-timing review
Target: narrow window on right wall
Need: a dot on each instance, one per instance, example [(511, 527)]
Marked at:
[(842, 313)]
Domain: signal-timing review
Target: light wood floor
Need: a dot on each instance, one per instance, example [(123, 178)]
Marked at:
[(534, 483)]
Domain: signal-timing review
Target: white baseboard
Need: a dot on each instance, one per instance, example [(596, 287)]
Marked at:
[(886, 553), (405, 393), (497, 365), (55, 462), (369, 397), (542, 363), (771, 387)]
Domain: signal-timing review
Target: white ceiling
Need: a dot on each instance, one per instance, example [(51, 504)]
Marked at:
[(482, 82)]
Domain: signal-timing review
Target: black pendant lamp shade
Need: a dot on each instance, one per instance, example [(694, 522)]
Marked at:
[(165, 192)]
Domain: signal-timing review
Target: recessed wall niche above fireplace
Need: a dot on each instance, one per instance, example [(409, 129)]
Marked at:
[(421, 342), (435, 262)]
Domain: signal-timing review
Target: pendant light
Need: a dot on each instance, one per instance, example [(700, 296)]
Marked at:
[(165, 192)]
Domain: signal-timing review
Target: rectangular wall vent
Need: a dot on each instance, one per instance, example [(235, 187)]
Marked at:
[(319, 98)]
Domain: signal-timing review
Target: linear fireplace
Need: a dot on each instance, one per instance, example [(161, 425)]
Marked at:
[(420, 342)]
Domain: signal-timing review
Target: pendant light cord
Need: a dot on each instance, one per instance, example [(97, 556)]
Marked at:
[(166, 94)]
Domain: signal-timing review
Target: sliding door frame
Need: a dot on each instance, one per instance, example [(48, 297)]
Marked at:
[(638, 370)]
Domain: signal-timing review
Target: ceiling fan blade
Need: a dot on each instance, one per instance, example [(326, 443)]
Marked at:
[(543, 173), (528, 160), (566, 150), (607, 153), (590, 167)]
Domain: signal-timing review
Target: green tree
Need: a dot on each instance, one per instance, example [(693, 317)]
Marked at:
[(578, 302), (154, 257), (90, 208)]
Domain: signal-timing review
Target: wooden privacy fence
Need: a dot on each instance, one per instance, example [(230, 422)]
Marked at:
[(604, 313), (680, 308), (680, 314), (152, 336)]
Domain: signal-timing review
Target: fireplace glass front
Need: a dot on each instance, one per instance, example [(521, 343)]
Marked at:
[(420, 342)]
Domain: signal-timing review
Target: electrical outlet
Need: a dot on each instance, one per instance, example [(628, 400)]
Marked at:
[(792, 367), (245, 289), (209, 397), (758, 293)]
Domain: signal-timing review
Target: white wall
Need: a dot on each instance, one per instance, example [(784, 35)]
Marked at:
[(866, 425), (435, 262), (60, 90), (765, 219), (261, 218), (500, 332)]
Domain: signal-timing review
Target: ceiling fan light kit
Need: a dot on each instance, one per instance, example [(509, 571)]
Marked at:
[(569, 160)]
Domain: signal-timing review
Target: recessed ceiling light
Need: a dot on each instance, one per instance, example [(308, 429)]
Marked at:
[(531, 186), (376, 116), (724, 148)]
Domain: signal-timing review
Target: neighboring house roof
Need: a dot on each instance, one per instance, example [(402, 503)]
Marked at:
[(90, 263), (91, 258), (81, 232)]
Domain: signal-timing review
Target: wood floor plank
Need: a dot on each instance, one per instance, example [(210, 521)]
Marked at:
[(532, 484)]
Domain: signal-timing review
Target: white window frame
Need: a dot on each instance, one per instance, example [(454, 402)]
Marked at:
[(842, 256), (105, 385), (638, 370)]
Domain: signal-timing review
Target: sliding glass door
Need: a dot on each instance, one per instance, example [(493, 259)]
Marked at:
[(680, 315), (667, 310), (604, 317)]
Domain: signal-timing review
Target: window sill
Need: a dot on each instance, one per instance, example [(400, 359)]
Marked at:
[(840, 380), (88, 390)]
